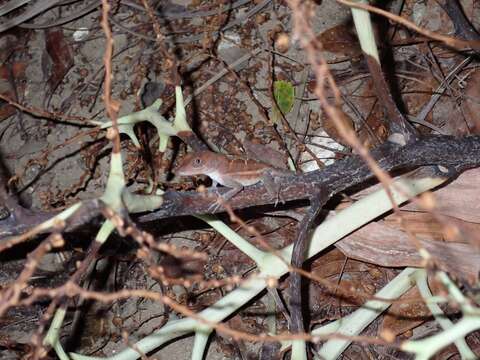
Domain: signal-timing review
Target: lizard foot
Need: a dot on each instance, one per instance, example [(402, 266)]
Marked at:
[(216, 205)]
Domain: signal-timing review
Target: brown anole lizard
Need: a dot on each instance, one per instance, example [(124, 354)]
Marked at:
[(234, 173), (231, 172)]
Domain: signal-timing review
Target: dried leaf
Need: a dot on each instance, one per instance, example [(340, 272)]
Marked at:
[(380, 244), (330, 128), (341, 40), (374, 131), (459, 199), (471, 102), (354, 275), (405, 316), (10, 75), (265, 154), (60, 54), (427, 226)]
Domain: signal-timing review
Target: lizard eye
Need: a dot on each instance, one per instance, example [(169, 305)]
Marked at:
[(197, 162)]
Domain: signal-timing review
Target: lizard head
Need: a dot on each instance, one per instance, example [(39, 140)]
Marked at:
[(198, 163)]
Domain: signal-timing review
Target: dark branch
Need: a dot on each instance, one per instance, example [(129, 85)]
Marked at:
[(457, 153), (298, 257), (449, 151)]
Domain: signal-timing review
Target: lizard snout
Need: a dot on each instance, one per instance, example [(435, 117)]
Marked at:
[(179, 170)]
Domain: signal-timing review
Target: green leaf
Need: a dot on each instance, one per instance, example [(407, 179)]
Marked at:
[(284, 94)]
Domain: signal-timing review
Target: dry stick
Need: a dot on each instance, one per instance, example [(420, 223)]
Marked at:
[(68, 119), (111, 106), (170, 60), (11, 295), (71, 289), (85, 268)]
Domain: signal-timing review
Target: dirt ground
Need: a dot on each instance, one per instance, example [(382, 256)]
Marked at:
[(55, 163)]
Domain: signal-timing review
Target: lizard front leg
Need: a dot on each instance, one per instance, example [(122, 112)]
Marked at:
[(235, 189), (269, 178)]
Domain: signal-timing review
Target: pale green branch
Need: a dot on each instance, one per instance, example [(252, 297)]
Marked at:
[(326, 234), (424, 349), (422, 284)]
